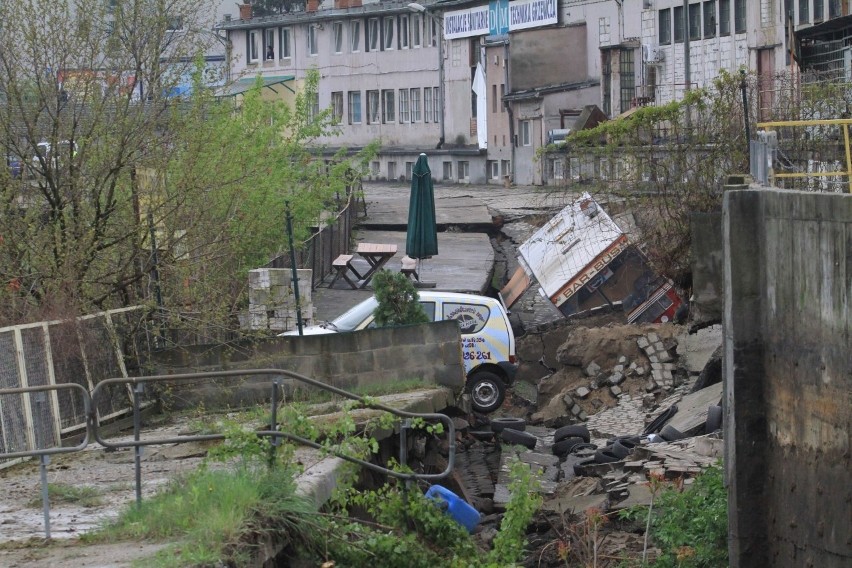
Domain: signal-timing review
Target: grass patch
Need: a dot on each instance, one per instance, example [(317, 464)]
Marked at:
[(208, 512), (84, 496)]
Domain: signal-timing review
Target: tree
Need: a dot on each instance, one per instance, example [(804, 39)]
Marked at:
[(399, 303), (90, 108)]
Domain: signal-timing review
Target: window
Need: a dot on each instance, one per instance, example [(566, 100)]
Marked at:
[(628, 78), (269, 44), (404, 115), (493, 169), (432, 26), (404, 34), (804, 12), (354, 36), (374, 168), (833, 8), (526, 135), (373, 34), (388, 106), (284, 47), (505, 167), (665, 19), (312, 39), (710, 19), (415, 105), (447, 171), (387, 36), (416, 30), (313, 106), (574, 168), (337, 37), (606, 79), (437, 115), (493, 98), (740, 16), (464, 173), (391, 170), (427, 105), (337, 107), (252, 48), (354, 107), (409, 171), (678, 24), (372, 107), (818, 10), (724, 17), (557, 169), (694, 21)]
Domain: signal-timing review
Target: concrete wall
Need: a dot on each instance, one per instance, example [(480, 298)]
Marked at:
[(788, 377), (708, 282), (431, 352)]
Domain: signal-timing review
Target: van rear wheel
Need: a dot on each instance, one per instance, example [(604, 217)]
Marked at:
[(487, 391)]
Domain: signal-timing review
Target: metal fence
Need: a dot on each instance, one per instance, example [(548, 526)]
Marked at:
[(330, 239), (89, 402), (82, 351)]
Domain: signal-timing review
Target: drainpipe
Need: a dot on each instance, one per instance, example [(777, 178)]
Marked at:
[(509, 108)]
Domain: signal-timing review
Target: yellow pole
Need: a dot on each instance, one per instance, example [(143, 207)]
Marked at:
[(848, 156)]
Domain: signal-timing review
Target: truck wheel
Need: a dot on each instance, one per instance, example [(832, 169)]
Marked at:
[(487, 391)]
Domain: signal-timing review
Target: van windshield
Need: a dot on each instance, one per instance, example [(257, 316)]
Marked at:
[(351, 319)]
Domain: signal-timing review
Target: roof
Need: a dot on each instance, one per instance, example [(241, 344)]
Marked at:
[(539, 92), (568, 243), (242, 85)]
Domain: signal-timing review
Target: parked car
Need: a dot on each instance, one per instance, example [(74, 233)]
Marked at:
[(487, 341), (45, 150)]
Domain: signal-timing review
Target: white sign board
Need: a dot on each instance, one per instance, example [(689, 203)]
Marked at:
[(525, 14), (478, 21)]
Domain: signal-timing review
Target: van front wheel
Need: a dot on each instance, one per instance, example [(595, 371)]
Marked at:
[(487, 391)]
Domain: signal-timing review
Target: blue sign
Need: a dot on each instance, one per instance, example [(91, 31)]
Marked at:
[(498, 17)]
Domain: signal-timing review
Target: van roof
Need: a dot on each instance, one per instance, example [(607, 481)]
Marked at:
[(436, 294)]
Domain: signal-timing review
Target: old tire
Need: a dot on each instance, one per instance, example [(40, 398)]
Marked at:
[(563, 447), (518, 438), (605, 455), (671, 434), (583, 447), (623, 448), (580, 467), (571, 431), (714, 419), (487, 391), (500, 424)]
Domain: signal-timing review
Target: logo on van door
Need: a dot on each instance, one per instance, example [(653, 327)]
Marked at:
[(471, 317)]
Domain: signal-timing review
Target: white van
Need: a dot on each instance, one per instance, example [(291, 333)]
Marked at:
[(488, 344)]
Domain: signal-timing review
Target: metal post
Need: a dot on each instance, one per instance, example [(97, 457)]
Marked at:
[(273, 422), (137, 449), (745, 108), (293, 269), (45, 498), (403, 462), (441, 89)]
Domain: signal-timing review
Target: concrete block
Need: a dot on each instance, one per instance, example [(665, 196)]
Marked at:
[(615, 390), (622, 360), (653, 337), (582, 392), (642, 342), (664, 356), (575, 410), (616, 379), (618, 369), (592, 369)]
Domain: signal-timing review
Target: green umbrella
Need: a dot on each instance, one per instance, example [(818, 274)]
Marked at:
[(421, 240)]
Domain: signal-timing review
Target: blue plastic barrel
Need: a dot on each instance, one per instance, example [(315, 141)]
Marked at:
[(456, 507)]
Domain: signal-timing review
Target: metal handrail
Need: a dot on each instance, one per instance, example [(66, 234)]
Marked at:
[(138, 383)]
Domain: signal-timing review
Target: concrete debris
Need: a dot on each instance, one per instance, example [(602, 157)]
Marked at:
[(592, 369), (582, 392)]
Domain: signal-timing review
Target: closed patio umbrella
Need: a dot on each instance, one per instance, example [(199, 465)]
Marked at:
[(421, 239)]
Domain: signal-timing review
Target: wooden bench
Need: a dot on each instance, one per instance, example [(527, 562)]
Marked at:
[(409, 267), (342, 265)]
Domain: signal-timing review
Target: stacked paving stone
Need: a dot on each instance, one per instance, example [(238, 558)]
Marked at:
[(272, 301), (542, 462), (662, 364)]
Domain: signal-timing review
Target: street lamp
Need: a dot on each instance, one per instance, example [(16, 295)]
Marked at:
[(421, 9)]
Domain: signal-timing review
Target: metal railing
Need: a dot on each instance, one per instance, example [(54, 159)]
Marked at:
[(137, 385), (810, 171)]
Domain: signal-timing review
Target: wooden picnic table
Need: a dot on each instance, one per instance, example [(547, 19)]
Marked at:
[(376, 255)]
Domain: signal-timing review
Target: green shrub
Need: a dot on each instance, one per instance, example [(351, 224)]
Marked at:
[(691, 526), (398, 300)]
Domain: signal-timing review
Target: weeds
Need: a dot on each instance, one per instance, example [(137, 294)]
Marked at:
[(84, 496)]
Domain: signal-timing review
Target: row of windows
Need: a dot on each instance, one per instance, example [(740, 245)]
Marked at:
[(701, 20), (834, 10), (389, 105), (380, 34), (494, 169)]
